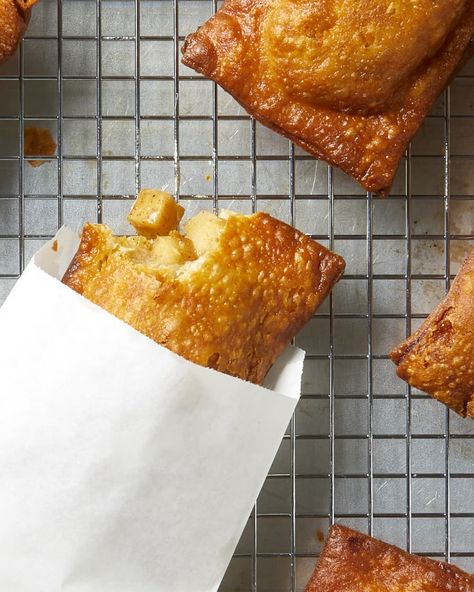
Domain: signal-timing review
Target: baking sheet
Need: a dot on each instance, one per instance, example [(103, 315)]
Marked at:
[(358, 451)]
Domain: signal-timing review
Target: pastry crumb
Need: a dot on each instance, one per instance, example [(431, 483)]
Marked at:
[(54, 246), (38, 141)]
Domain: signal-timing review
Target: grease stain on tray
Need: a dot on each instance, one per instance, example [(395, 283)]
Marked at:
[(38, 141), (466, 452), (319, 535), (459, 250), (461, 222)]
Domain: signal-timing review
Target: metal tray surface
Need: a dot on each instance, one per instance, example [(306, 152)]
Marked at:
[(105, 77)]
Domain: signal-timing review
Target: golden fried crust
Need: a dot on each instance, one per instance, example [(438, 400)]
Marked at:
[(14, 18), (234, 309), (355, 562), (439, 357), (349, 82)]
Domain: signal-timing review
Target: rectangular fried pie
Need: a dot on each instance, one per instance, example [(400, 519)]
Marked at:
[(439, 357), (350, 82), (354, 562), (229, 294)]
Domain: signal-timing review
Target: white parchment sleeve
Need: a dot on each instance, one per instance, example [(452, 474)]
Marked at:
[(123, 467)]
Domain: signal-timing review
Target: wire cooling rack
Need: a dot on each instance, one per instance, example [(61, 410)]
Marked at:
[(105, 78)]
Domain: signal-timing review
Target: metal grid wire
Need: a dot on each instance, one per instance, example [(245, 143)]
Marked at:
[(105, 78)]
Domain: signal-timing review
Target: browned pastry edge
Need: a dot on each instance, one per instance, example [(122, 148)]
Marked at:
[(14, 18), (25, 5), (355, 562), (318, 130), (439, 357), (234, 309), (371, 185)]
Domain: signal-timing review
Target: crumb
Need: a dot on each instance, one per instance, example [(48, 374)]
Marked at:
[(55, 246), (320, 535), (208, 177), (38, 141)]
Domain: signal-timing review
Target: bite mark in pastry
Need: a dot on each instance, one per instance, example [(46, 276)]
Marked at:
[(14, 18), (350, 82), (439, 357), (230, 294), (354, 562)]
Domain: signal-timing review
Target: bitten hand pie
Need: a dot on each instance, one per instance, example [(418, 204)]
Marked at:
[(350, 82), (14, 18), (355, 562), (230, 294), (439, 357)]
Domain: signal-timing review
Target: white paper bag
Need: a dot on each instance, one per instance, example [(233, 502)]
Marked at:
[(123, 467)]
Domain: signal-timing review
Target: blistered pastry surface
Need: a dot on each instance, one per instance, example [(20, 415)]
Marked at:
[(354, 562), (439, 357), (349, 85), (235, 309), (14, 16), (333, 53)]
